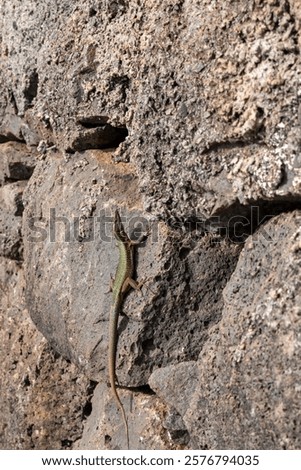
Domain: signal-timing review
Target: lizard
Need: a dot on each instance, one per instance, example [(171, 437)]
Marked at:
[(121, 284)]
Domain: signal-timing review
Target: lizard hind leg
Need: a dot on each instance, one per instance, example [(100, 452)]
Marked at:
[(138, 285), (129, 282)]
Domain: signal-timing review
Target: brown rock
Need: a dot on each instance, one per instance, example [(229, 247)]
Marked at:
[(247, 393), (201, 99), (43, 398)]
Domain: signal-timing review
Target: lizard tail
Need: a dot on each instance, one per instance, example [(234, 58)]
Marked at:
[(112, 364), (120, 406)]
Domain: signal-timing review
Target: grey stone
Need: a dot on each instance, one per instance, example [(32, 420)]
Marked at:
[(247, 392), (176, 384), (71, 253), (196, 107), (211, 91), (104, 427)]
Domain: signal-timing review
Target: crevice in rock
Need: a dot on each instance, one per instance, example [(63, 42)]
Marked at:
[(18, 171), (92, 121), (97, 134), (15, 251), (9, 137), (31, 89), (144, 389), (87, 407), (237, 221)]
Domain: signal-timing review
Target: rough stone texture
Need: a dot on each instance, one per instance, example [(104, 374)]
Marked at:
[(145, 412), (77, 245), (11, 221), (17, 163), (248, 388), (197, 103), (43, 398), (208, 87)]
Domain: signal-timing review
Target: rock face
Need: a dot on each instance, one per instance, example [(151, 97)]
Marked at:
[(184, 115), (244, 391), (43, 397)]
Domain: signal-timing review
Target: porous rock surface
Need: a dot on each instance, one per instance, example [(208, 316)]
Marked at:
[(185, 116), (244, 391)]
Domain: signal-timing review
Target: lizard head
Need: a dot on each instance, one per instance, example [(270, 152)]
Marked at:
[(119, 231)]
